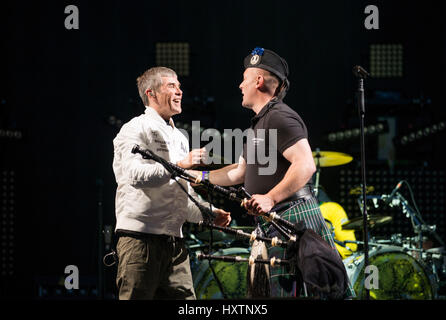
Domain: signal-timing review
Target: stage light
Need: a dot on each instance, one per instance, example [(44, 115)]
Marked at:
[(434, 128), (348, 134), (11, 134), (174, 55), (420, 133), (373, 129), (386, 60), (380, 127)]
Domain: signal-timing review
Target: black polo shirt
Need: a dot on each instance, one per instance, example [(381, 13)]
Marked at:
[(289, 127)]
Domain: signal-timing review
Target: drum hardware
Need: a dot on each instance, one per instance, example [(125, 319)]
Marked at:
[(440, 251), (358, 190), (383, 245), (419, 227), (397, 239), (401, 276), (331, 158), (414, 246), (418, 224), (372, 222), (327, 159), (318, 171), (343, 244)]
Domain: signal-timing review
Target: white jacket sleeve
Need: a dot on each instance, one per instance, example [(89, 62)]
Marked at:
[(194, 213), (132, 168)]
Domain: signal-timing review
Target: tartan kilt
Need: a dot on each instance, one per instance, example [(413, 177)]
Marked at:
[(283, 283)]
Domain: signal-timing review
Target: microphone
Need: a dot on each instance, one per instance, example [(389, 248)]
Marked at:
[(360, 72), (389, 198)]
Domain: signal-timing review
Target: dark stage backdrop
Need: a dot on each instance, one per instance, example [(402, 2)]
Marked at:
[(60, 87)]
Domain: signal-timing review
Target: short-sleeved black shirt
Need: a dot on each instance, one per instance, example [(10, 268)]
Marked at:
[(289, 129)]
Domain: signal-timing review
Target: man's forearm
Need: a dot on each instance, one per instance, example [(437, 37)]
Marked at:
[(226, 176)]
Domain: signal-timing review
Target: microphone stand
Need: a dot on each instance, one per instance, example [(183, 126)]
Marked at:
[(361, 74)]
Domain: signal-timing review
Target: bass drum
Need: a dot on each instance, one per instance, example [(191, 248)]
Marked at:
[(335, 217), (399, 275), (232, 276)]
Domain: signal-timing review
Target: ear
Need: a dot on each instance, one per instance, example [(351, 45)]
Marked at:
[(150, 92), (260, 81)]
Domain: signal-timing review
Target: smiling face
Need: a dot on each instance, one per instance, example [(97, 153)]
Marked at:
[(169, 96)]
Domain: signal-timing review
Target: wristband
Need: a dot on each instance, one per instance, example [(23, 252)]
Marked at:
[(204, 175)]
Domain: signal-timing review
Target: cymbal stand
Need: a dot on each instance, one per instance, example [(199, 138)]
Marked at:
[(418, 224), (318, 172)]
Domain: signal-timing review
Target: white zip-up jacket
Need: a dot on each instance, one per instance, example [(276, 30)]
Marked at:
[(147, 200)]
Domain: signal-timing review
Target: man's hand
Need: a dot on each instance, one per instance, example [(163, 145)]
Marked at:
[(193, 159), (223, 218), (195, 174), (259, 204)]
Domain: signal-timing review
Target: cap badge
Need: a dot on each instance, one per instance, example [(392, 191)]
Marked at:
[(255, 59), (256, 53)]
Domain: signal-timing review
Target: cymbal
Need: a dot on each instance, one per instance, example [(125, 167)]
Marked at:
[(373, 221), (216, 236), (331, 158), (358, 190)]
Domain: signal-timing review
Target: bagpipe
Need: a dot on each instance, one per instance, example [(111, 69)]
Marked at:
[(287, 229)]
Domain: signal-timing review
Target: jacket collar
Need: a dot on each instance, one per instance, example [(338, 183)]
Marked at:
[(154, 115)]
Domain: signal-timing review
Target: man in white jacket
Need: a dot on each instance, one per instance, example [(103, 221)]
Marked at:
[(150, 206)]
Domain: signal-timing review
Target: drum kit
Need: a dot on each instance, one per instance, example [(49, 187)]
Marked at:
[(406, 268)]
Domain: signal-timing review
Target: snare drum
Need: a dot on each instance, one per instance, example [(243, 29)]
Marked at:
[(231, 275), (400, 276)]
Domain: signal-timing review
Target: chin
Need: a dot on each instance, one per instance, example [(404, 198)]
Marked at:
[(246, 105)]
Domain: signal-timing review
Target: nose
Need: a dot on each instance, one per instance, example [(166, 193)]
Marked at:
[(179, 92)]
